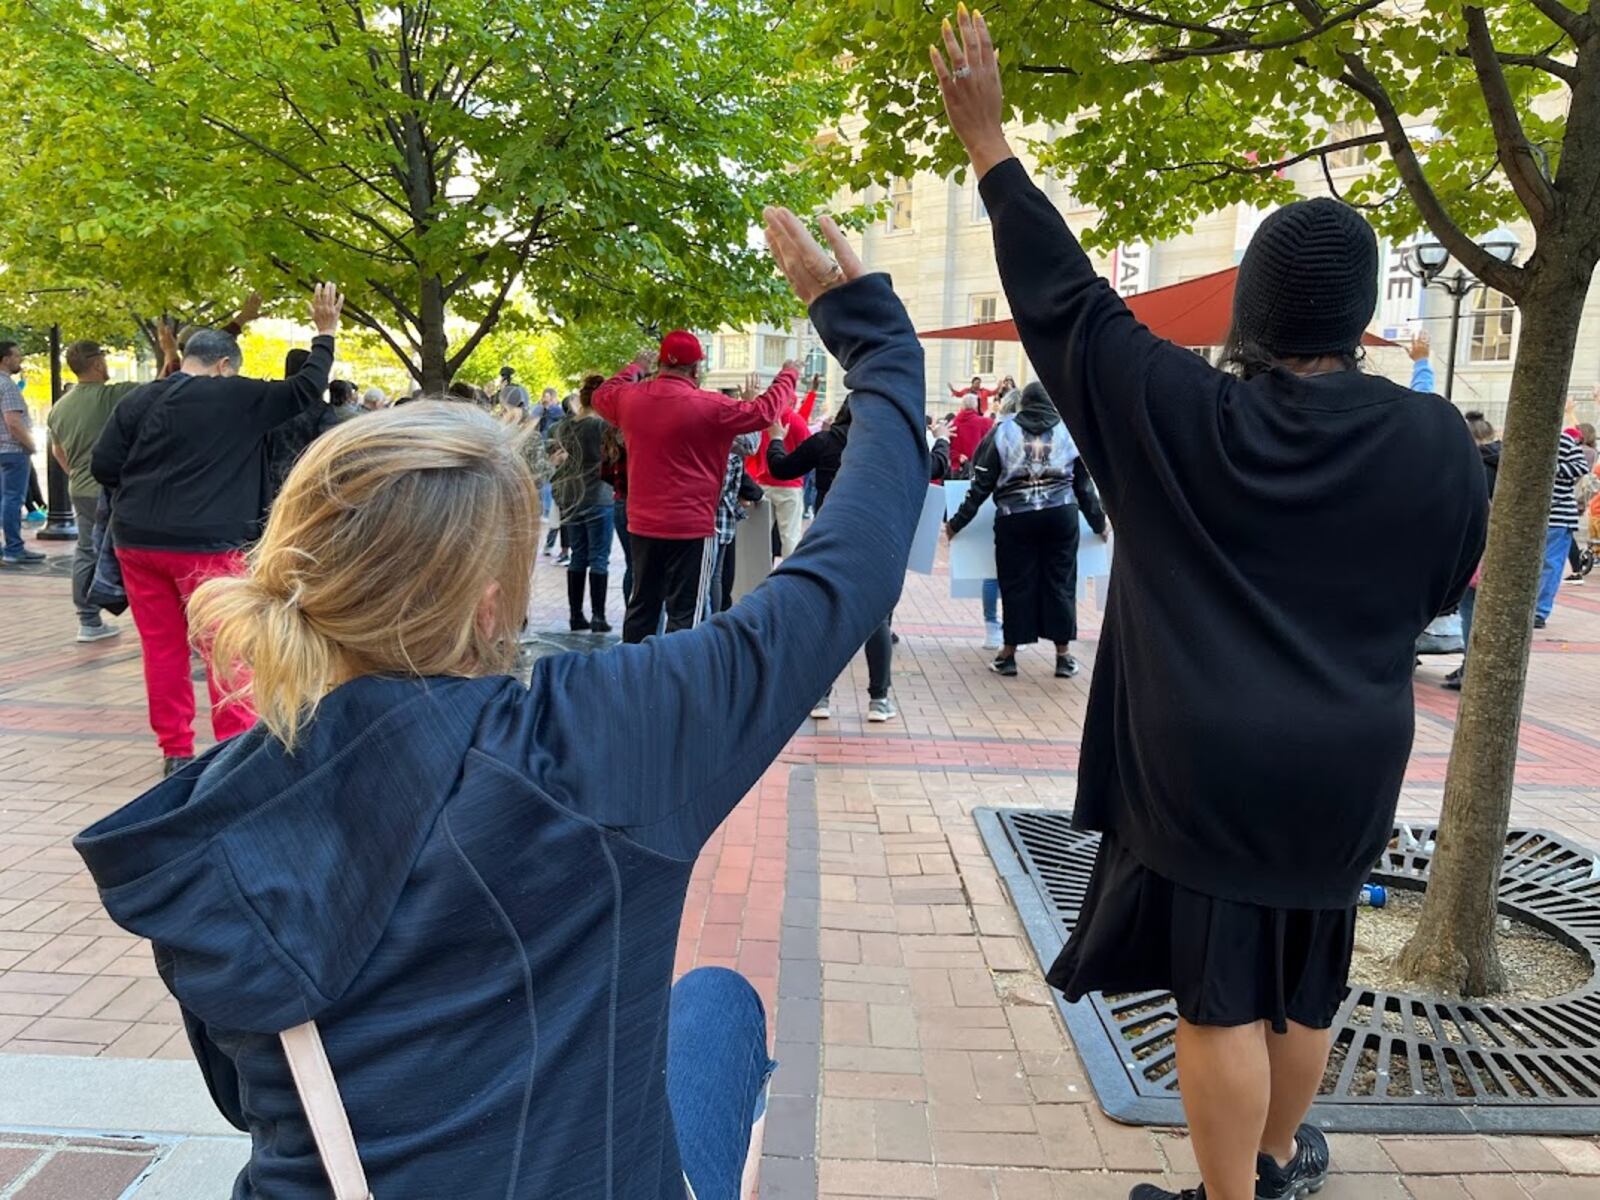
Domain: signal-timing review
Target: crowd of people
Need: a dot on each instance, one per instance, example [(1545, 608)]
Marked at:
[(465, 890)]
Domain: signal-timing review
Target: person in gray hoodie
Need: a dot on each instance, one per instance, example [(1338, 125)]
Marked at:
[(1029, 464)]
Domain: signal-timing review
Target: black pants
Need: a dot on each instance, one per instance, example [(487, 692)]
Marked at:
[(1036, 558), (668, 573), (879, 648)]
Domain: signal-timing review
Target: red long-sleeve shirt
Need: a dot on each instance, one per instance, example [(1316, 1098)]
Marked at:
[(795, 431), (966, 432), (678, 437)]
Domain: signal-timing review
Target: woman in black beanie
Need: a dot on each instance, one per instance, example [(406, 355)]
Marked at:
[(1249, 719)]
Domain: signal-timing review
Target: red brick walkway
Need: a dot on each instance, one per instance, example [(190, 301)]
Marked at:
[(941, 1071)]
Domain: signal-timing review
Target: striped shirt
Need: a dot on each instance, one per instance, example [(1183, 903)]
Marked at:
[(1570, 467), (11, 401)]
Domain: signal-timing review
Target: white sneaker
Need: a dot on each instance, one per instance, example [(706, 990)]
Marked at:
[(822, 710), (881, 710), (98, 633), (992, 635)]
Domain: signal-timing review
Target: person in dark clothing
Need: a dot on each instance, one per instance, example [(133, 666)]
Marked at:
[(473, 887), (287, 442), (1029, 464), (585, 501), (1231, 684), (821, 455), (185, 459)]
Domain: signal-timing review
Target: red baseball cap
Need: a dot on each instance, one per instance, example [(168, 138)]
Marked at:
[(680, 348)]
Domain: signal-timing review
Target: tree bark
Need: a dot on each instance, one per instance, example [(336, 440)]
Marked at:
[(1453, 948), (435, 367)]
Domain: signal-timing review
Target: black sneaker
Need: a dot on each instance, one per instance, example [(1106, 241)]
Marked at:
[(1149, 1191), (1538, 622), (171, 766), (1004, 665), (599, 625), (1066, 666), (1452, 681), (579, 624), (1306, 1173)]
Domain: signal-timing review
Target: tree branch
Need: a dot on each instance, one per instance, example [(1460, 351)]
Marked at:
[(1577, 25), (1230, 41), (1511, 143), (1566, 72), (1468, 253), (1227, 169), (489, 318)]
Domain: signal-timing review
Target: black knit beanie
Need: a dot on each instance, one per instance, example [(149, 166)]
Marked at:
[(1308, 283)]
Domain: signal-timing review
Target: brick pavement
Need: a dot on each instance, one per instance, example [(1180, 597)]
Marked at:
[(921, 1055)]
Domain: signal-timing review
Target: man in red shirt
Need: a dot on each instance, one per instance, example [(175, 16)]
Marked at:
[(678, 437), (787, 496), (968, 429)]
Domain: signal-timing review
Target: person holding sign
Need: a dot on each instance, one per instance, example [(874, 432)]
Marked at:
[(1230, 683)]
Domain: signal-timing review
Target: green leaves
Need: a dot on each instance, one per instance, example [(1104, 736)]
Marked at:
[(1160, 128), (596, 157)]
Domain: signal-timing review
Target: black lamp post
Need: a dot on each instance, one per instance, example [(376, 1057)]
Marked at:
[(61, 524), (1427, 261)]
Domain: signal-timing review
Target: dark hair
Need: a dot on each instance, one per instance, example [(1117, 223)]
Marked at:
[(294, 360), (211, 346), (1247, 358), (6, 348), (590, 385), (1478, 425), (506, 372), (461, 390), (342, 391)]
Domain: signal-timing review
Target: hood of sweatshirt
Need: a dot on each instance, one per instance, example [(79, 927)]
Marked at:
[(1037, 412), (1490, 451), (252, 839)]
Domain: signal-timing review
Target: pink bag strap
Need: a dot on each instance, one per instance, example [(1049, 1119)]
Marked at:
[(330, 1125)]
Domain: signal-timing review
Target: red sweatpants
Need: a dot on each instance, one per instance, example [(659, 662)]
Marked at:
[(159, 584)]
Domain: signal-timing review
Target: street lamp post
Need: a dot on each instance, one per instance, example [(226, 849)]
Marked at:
[(1427, 261)]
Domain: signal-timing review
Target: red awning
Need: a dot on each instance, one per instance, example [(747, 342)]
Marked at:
[(1196, 312)]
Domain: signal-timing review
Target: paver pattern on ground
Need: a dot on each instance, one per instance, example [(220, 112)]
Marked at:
[(922, 1057)]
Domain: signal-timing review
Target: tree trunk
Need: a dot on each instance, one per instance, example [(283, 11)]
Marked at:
[(435, 368), (1453, 948)]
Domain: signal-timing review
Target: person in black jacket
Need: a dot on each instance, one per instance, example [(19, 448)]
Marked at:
[(1250, 720), (1029, 464), (185, 457), (823, 453)]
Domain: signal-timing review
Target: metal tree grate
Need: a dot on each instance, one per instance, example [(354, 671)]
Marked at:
[(1402, 1061)]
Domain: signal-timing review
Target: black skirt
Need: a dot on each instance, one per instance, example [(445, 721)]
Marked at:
[(1036, 562), (1225, 962)]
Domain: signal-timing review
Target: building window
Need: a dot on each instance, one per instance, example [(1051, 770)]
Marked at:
[(774, 350), (899, 205), (980, 210), (1493, 321), (735, 352), (816, 363), (984, 308)]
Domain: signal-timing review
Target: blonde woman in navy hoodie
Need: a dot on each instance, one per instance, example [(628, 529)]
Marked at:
[(474, 888)]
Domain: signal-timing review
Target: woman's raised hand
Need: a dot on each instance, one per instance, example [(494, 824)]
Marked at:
[(808, 268), (970, 81)]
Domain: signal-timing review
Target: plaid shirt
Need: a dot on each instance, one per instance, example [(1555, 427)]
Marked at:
[(729, 511)]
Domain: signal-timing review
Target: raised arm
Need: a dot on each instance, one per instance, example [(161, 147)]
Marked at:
[(1090, 352), (752, 416), (280, 400), (793, 464), (607, 398), (712, 707)]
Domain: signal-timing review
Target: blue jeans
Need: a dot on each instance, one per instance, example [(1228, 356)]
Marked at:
[(590, 540), (1556, 540), (717, 1072), (13, 488), (991, 601), (619, 520)]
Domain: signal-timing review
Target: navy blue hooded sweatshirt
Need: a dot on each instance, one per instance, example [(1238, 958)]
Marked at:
[(475, 888)]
